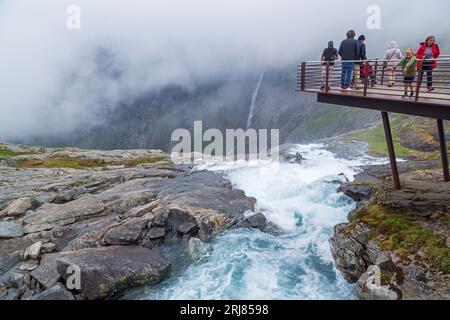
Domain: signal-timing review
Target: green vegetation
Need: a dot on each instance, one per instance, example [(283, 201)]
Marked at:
[(413, 136), (366, 184), (321, 117), (406, 236), (5, 153), (83, 163), (325, 120), (446, 221), (377, 142)]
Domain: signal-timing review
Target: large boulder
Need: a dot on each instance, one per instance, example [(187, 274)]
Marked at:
[(357, 191), (46, 273), (348, 251), (33, 251), (369, 286), (108, 270), (256, 221), (8, 162), (10, 230), (49, 215), (127, 233), (18, 207), (57, 292), (11, 252)]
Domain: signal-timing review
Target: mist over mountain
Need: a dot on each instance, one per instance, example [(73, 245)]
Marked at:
[(137, 70)]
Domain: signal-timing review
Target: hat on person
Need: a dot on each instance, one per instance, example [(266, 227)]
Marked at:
[(330, 43)]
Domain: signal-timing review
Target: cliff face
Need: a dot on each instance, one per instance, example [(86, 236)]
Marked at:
[(148, 121), (397, 243)]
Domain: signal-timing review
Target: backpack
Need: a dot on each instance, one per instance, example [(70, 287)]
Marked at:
[(385, 64)]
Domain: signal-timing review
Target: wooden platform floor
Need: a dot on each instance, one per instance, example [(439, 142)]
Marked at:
[(441, 97)]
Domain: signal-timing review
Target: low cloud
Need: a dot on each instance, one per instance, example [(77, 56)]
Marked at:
[(53, 80)]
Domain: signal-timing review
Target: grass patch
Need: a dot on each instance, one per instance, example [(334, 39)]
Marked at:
[(325, 120), (79, 163), (6, 153), (377, 142), (322, 117), (446, 221), (404, 235), (402, 126), (366, 184)]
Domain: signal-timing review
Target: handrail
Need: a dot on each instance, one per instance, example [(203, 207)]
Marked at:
[(377, 59), (324, 76)]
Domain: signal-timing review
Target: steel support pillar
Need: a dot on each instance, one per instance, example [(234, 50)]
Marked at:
[(443, 144), (390, 147)]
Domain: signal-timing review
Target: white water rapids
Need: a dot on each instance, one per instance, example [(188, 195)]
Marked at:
[(249, 264)]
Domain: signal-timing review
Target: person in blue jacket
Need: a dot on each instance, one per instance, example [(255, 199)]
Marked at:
[(350, 53)]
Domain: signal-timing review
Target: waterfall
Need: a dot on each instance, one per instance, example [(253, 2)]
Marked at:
[(252, 106)]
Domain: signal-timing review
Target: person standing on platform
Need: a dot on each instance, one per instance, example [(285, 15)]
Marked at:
[(428, 53), (349, 52), (362, 57), (391, 57), (329, 55)]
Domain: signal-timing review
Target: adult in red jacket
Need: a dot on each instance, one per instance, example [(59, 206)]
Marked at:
[(429, 52)]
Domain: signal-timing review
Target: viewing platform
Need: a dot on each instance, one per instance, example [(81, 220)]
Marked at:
[(373, 90)]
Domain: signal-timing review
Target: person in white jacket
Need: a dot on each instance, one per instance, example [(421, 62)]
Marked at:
[(392, 56)]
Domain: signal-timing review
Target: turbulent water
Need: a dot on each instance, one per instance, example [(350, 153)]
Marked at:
[(249, 264)]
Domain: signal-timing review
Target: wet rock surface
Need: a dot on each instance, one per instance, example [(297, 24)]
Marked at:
[(108, 270), (394, 246), (108, 212), (57, 292), (10, 230)]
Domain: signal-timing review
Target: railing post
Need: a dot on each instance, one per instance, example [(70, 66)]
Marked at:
[(303, 77), (419, 80), (366, 78), (327, 79), (382, 74), (376, 69), (391, 151), (443, 145)]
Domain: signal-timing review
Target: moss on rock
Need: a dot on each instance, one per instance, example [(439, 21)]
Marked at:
[(400, 232)]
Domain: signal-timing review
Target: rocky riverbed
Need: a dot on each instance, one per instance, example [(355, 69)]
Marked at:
[(397, 243), (105, 215)]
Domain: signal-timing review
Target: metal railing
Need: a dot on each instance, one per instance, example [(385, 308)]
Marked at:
[(377, 77)]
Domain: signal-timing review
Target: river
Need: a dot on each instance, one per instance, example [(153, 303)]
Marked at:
[(296, 264)]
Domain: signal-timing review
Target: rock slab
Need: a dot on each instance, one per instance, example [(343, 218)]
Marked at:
[(10, 230), (107, 271), (57, 292)]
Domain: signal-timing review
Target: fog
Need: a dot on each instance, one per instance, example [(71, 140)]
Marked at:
[(53, 80)]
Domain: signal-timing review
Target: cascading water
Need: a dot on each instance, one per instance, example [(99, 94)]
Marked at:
[(253, 104), (249, 264)]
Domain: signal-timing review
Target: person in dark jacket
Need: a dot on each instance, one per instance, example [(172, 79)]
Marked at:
[(349, 52), (362, 47), (328, 57), (362, 57), (429, 52)]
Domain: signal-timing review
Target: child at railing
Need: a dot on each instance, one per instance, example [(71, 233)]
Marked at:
[(367, 71), (408, 65)]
